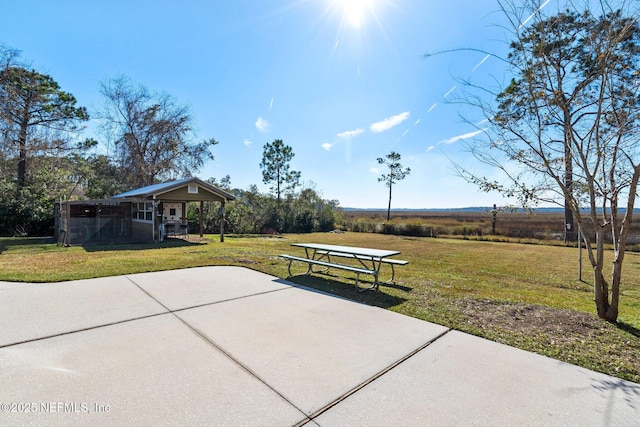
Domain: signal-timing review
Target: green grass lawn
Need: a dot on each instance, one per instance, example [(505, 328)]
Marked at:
[(524, 295)]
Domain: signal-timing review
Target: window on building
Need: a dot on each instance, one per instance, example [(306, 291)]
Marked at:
[(143, 211)]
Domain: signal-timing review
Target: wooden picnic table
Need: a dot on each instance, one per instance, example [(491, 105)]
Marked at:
[(370, 260)]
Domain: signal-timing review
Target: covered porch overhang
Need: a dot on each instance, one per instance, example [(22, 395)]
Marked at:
[(169, 203)]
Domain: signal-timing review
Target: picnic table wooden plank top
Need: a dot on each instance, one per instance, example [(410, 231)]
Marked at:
[(368, 252)]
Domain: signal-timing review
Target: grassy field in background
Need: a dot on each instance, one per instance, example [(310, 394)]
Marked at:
[(524, 295), (542, 225)]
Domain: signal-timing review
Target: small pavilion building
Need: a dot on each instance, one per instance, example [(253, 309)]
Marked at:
[(147, 214)]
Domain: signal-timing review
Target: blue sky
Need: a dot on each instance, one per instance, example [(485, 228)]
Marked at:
[(341, 82)]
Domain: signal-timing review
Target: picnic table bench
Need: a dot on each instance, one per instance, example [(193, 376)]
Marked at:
[(391, 261), (370, 260)]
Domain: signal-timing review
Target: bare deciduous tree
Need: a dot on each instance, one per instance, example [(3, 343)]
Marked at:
[(565, 130), (151, 132)]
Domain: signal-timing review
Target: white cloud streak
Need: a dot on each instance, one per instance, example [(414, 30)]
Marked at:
[(389, 122), (533, 14), (247, 142), (432, 107), (450, 91), (262, 125), (462, 137), (480, 63), (350, 133), (327, 146)]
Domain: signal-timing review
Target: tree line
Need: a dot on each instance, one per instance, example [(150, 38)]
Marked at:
[(149, 137)]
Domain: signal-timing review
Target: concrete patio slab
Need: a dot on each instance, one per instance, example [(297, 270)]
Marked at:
[(191, 287), (311, 347), (465, 380), (37, 310), (153, 371), (245, 348)]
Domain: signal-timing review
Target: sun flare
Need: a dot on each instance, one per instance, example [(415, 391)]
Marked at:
[(354, 12)]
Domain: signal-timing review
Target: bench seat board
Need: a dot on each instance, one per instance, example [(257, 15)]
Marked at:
[(328, 264), (390, 261)]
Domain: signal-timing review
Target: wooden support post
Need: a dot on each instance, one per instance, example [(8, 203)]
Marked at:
[(494, 212), (201, 218), (222, 221)]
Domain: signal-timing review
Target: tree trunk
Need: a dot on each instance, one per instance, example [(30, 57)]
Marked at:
[(22, 161), (389, 207), (612, 311), (278, 186), (569, 233), (601, 292), (601, 287)]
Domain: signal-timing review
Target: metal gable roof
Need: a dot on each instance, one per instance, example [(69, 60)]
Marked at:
[(158, 189)]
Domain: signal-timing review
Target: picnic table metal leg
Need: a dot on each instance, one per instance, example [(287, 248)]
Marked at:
[(375, 275), (393, 275), (309, 268), (376, 284), (325, 269)]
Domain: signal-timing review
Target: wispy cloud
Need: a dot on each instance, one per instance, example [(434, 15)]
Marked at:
[(389, 122), (430, 148), (271, 104), (327, 146), (262, 125), (432, 107), (462, 137), (247, 142), (480, 63), (350, 133), (450, 91), (533, 14), (374, 170)]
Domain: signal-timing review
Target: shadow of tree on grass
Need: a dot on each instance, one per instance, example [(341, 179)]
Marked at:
[(629, 328)]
